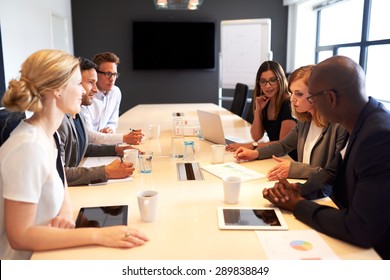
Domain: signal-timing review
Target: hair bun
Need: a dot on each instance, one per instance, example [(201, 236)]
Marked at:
[(22, 95)]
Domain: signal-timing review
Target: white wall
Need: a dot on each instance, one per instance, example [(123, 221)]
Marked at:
[(26, 27)]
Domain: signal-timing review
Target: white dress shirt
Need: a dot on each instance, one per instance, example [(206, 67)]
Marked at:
[(311, 139), (104, 110)]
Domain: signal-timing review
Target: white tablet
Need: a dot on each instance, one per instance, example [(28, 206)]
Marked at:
[(251, 218)]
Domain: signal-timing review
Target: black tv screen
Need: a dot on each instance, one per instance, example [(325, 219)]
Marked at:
[(173, 45)]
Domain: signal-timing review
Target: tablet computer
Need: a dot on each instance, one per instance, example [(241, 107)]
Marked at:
[(102, 216), (251, 218)]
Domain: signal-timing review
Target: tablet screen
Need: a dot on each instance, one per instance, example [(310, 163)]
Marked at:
[(248, 218), (103, 216)]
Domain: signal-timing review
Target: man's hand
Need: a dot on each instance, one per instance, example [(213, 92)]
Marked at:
[(107, 130), (118, 169), (284, 195), (134, 137)]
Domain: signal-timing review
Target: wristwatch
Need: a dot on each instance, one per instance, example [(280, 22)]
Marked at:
[(254, 145)]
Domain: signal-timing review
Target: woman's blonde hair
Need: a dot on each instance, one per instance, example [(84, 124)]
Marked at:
[(43, 71), (303, 74)]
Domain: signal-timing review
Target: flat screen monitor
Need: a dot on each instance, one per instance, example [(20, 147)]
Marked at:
[(173, 45)]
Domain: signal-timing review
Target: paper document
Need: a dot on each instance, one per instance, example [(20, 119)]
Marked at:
[(295, 245), (99, 161), (233, 169)]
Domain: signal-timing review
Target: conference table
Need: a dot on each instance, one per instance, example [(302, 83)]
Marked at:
[(186, 227)]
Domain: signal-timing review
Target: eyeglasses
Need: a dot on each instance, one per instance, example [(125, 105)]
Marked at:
[(311, 97), (109, 74), (271, 81)]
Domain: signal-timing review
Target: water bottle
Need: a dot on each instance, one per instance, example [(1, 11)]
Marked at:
[(189, 150), (177, 142)]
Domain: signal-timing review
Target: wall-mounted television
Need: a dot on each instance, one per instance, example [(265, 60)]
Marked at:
[(173, 45)]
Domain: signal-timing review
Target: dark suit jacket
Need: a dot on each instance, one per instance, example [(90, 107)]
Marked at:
[(361, 186), (76, 175)]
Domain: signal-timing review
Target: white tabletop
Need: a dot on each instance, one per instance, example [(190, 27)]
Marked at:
[(186, 227)]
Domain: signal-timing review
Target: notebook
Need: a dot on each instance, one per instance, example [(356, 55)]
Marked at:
[(211, 128)]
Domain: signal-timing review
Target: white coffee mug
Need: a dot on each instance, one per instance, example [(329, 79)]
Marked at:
[(218, 153), (231, 189), (131, 155), (147, 203)]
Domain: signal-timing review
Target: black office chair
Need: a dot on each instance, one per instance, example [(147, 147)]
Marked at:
[(249, 113), (8, 121), (239, 99)]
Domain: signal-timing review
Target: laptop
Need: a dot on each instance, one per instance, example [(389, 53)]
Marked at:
[(211, 128)]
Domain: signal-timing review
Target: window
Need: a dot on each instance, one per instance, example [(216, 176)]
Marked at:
[(357, 29), (335, 27), (380, 20)]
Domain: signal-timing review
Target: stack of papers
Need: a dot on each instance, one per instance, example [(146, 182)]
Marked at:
[(98, 161)]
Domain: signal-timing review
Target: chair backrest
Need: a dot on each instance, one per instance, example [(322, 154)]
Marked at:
[(249, 113), (8, 122), (239, 99)]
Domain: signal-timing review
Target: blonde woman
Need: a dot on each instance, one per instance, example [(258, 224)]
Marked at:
[(315, 139), (35, 208)]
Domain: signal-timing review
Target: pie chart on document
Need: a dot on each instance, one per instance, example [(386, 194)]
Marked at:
[(301, 245)]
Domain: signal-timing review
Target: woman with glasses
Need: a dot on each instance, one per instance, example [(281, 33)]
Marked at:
[(315, 139), (271, 106)]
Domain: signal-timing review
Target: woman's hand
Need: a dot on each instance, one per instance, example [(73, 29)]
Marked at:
[(246, 154), (234, 146), (280, 170), (120, 237), (261, 102), (62, 222)]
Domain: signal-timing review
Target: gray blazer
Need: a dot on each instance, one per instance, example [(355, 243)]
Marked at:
[(69, 149), (323, 152)]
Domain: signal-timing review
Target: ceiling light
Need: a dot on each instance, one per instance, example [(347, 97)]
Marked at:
[(177, 4)]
